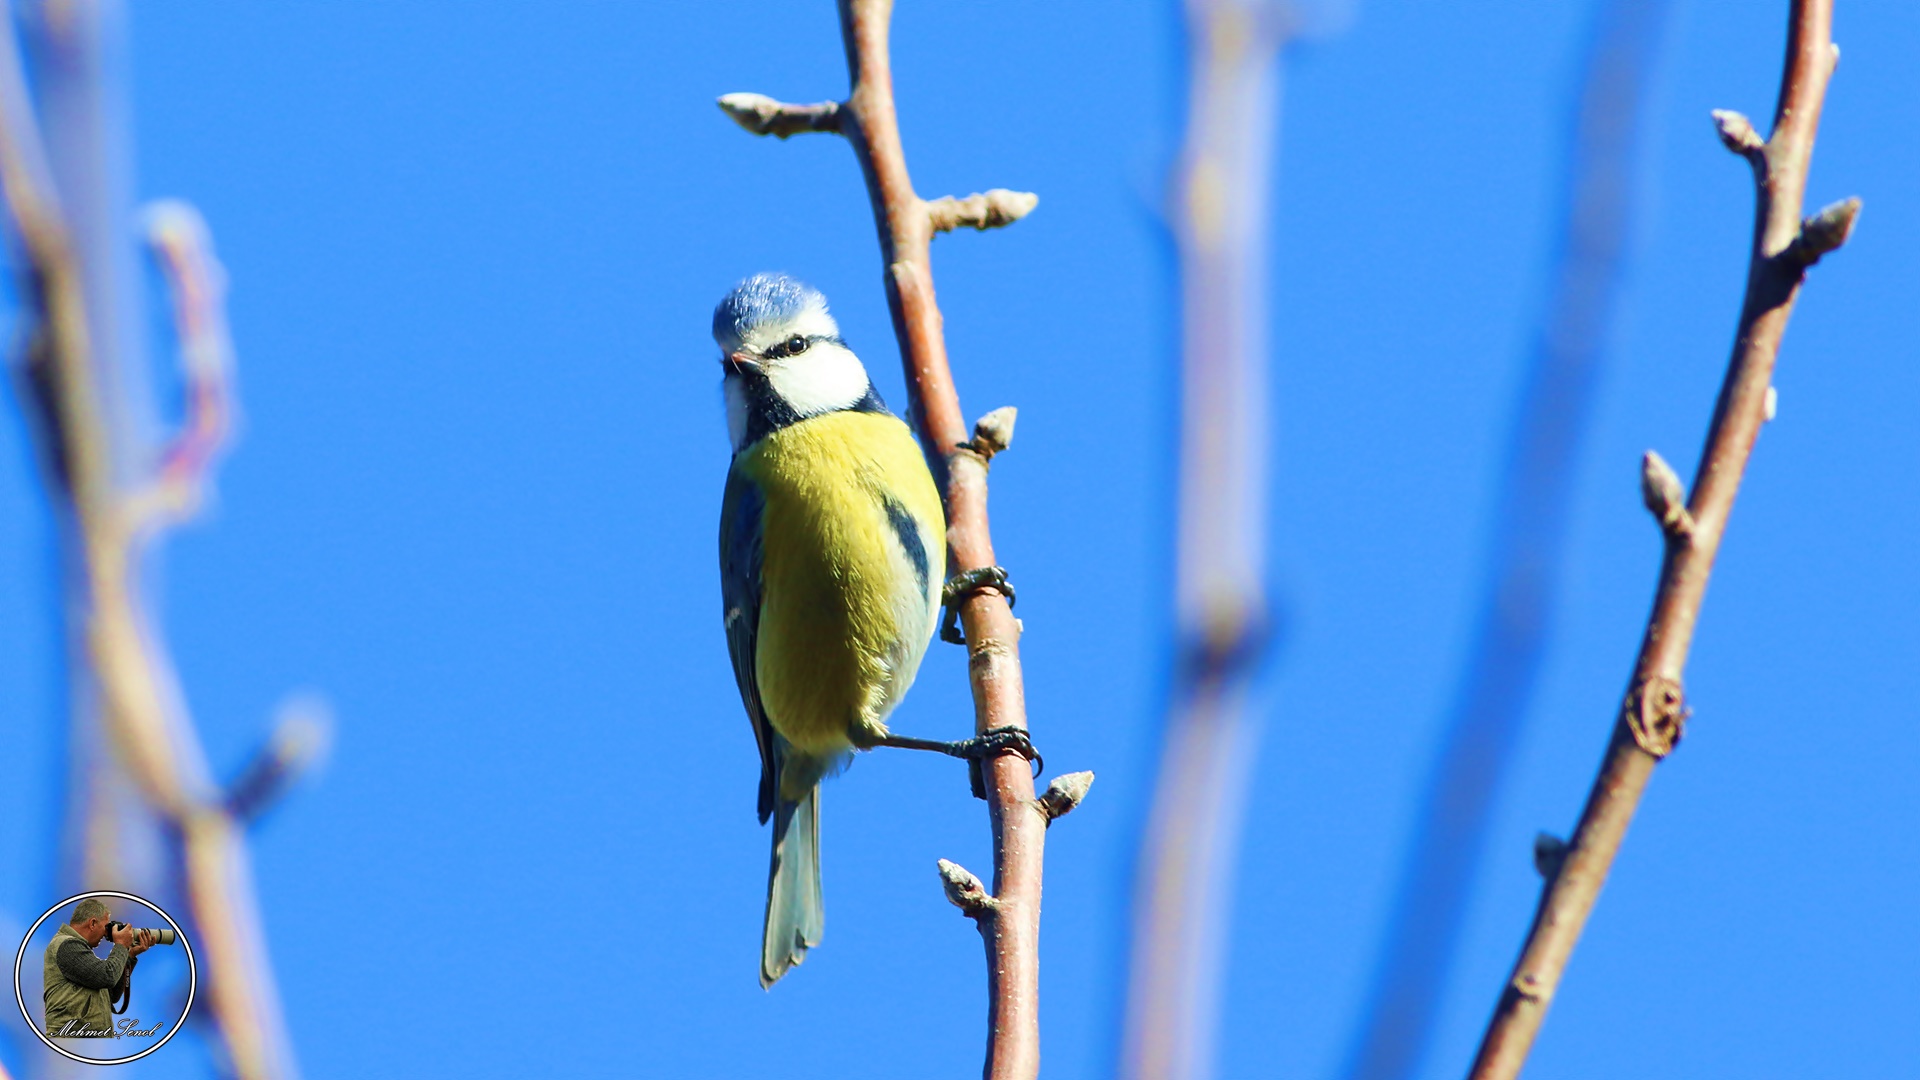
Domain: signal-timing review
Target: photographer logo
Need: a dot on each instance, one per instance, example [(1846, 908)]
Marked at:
[(73, 977)]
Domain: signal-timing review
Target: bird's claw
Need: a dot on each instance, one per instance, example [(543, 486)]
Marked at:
[(965, 584), (991, 743)]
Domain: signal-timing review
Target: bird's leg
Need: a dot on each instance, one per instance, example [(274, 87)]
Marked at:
[(995, 741)]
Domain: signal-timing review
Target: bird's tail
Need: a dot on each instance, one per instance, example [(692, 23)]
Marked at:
[(795, 915)]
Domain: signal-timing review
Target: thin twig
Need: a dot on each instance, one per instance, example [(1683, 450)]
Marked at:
[(302, 732), (106, 525), (1490, 705), (1010, 923), (1652, 718), (197, 286), (1219, 214)]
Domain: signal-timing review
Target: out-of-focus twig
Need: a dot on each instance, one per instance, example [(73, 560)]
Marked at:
[(1009, 917), (106, 521), (1652, 718), (1525, 553), (302, 733), (1220, 216), (197, 287)]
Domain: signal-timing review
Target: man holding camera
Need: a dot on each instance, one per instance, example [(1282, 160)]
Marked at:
[(79, 985)]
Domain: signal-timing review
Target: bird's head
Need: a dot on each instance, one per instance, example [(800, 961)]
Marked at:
[(783, 356)]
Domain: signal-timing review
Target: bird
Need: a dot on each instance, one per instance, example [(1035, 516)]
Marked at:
[(832, 543)]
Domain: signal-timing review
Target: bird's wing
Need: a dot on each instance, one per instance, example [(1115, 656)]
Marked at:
[(740, 553)]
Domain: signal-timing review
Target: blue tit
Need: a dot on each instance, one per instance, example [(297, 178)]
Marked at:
[(832, 536)]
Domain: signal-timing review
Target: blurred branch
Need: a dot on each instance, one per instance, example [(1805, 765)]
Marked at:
[(1009, 917), (1523, 558), (197, 287), (106, 523), (1220, 216), (301, 735), (1652, 718)]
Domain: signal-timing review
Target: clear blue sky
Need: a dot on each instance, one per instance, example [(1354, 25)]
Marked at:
[(473, 250)]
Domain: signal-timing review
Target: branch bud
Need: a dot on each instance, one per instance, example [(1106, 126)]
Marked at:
[(1824, 232), (993, 432), (1064, 794), (1736, 131), (989, 211), (763, 115), (1660, 488), (965, 891), (1656, 714), (1549, 852)]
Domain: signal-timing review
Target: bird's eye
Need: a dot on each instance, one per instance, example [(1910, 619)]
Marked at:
[(796, 344)]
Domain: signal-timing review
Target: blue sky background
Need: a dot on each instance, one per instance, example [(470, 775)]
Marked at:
[(473, 250)]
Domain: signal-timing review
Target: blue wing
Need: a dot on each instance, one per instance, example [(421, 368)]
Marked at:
[(740, 557)]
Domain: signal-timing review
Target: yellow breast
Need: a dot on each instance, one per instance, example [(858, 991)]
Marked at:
[(844, 613)]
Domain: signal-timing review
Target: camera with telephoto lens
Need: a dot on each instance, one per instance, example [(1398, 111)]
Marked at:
[(160, 937)]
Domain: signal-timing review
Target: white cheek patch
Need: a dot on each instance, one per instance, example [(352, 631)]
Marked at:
[(825, 378)]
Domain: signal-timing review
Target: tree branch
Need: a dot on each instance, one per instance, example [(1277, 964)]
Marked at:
[(1652, 717), (197, 287), (1010, 923), (1493, 701), (1219, 214), (106, 526)]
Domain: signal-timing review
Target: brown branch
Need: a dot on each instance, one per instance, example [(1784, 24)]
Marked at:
[(1651, 718), (1010, 924), (105, 528)]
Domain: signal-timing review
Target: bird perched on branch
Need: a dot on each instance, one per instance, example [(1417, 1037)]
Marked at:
[(832, 542)]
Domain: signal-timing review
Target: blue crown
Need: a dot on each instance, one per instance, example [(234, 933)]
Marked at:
[(761, 300)]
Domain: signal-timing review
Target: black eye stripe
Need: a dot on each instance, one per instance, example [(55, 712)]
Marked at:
[(804, 342)]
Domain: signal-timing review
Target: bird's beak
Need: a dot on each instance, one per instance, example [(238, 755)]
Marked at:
[(740, 363)]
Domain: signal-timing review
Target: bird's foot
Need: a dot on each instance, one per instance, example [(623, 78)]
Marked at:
[(987, 744), (965, 584)]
